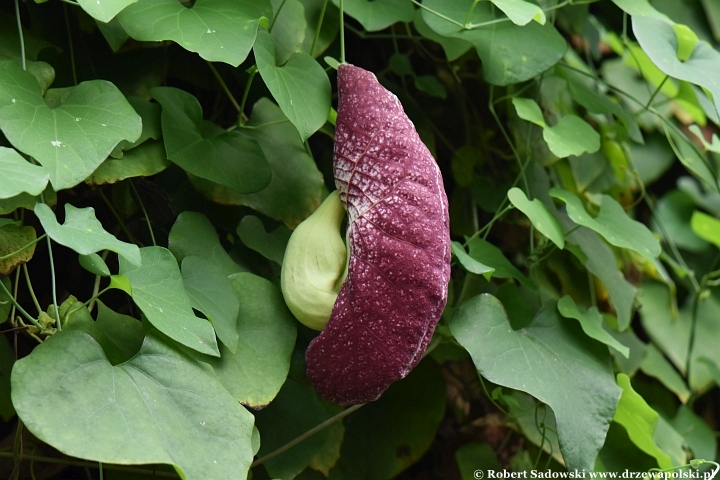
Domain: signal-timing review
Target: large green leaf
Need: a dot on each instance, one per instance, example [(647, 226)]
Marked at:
[(539, 215), (157, 288), (591, 323), (656, 365), (552, 360), (289, 28), (211, 292), (72, 139), (297, 409), (390, 434), (193, 234), (120, 336), (270, 245), (267, 330), (659, 40), (159, 407), (488, 254), (83, 233), (18, 175), (142, 161), (640, 421), (509, 53), (301, 87), (296, 186), (104, 10), (612, 223), (376, 15), (233, 159), (218, 30), (521, 12)]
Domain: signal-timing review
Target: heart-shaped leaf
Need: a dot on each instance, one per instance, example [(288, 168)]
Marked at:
[(301, 87), (71, 140), (104, 10), (218, 30), (158, 407), (17, 246), (270, 245), (376, 15), (83, 232), (158, 290), (211, 292), (267, 330), (549, 351), (18, 175), (233, 159), (591, 323), (296, 186)]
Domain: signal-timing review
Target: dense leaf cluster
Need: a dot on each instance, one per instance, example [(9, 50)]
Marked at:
[(155, 156)]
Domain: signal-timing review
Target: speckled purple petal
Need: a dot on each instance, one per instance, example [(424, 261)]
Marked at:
[(399, 245)]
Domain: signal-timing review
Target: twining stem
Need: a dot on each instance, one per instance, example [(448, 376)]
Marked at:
[(53, 286), (342, 32), (142, 206), (116, 214), (319, 27), (20, 308), (252, 71), (70, 43), (22, 40), (224, 86), (30, 288), (277, 14)]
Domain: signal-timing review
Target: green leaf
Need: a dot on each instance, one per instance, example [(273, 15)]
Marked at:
[(301, 87), (706, 227), (267, 330), (638, 8), (488, 254), (328, 30), (296, 186), (431, 85), (232, 159), (571, 136), (120, 282), (17, 246), (388, 435), (472, 457), (114, 33), (673, 213), (509, 53), (211, 292), (454, 48), (83, 232), (698, 435), (104, 10), (656, 365), (142, 161), (18, 175), (612, 223), (159, 407), (94, 263), (658, 39), (529, 110), (119, 336), (297, 409), (150, 113), (599, 259), (158, 291), (5, 304), (326, 458), (591, 322), (289, 28), (539, 215), (376, 15), (468, 263), (219, 31), (551, 351), (71, 140), (520, 11), (193, 234), (270, 245), (640, 421)]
